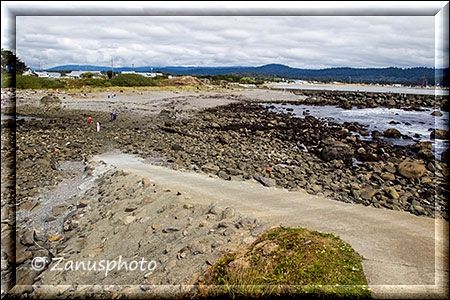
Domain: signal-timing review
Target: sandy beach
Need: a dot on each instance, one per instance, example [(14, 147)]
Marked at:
[(148, 102)]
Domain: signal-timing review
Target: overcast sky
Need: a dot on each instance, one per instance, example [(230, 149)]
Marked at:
[(298, 41)]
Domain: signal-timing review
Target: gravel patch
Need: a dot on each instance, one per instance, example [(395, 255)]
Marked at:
[(56, 202)]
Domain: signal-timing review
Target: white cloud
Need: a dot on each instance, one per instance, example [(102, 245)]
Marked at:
[(298, 41)]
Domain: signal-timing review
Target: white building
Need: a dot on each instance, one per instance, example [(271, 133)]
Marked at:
[(29, 72), (77, 74), (54, 75), (74, 74), (143, 73), (153, 74), (42, 74)]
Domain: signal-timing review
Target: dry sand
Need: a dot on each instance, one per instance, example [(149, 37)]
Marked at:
[(149, 102)]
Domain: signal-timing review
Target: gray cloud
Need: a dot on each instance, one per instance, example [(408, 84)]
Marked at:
[(298, 41)]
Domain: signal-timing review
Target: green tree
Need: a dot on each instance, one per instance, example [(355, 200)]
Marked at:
[(110, 74), (87, 75), (10, 63)]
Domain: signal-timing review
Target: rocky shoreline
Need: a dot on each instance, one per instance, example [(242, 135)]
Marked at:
[(345, 99), (238, 141), (119, 214), (246, 142)]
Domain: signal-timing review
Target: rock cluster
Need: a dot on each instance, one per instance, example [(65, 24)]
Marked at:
[(239, 142), (51, 101), (248, 142), (8, 161), (233, 142), (126, 216), (347, 100)]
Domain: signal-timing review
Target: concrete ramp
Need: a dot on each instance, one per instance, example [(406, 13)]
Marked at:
[(405, 256)]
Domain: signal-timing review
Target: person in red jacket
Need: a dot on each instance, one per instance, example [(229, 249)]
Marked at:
[(89, 121)]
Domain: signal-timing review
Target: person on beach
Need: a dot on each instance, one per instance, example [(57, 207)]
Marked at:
[(89, 121), (114, 116), (98, 126)]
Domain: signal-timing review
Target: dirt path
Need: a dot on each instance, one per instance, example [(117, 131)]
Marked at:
[(404, 255)]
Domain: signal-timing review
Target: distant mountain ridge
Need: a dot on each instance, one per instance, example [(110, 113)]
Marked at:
[(390, 74)]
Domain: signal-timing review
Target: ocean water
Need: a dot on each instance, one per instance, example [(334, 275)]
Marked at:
[(415, 124), (362, 88)]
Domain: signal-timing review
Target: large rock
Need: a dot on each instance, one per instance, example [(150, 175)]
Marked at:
[(392, 192), (336, 150), (367, 193), (411, 169), (417, 146), (436, 113), (345, 105), (166, 114), (210, 168), (50, 100), (265, 181), (376, 134), (439, 134), (425, 154), (392, 133), (388, 176)]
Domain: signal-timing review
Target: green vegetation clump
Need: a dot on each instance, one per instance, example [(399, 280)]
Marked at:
[(290, 262), (96, 82), (250, 80), (30, 82), (88, 75), (11, 63), (132, 80), (7, 80), (218, 79)]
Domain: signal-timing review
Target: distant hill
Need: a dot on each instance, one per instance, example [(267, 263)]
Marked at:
[(391, 74)]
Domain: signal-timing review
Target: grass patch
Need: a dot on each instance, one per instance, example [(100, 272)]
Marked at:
[(132, 80), (289, 262), (30, 82), (6, 80), (129, 89), (117, 83)]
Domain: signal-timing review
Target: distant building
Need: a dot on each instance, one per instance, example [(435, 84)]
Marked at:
[(153, 74), (29, 72), (54, 75), (42, 74), (74, 74), (301, 81), (143, 73), (77, 74)]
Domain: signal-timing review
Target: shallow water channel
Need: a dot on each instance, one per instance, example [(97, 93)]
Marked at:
[(415, 124)]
